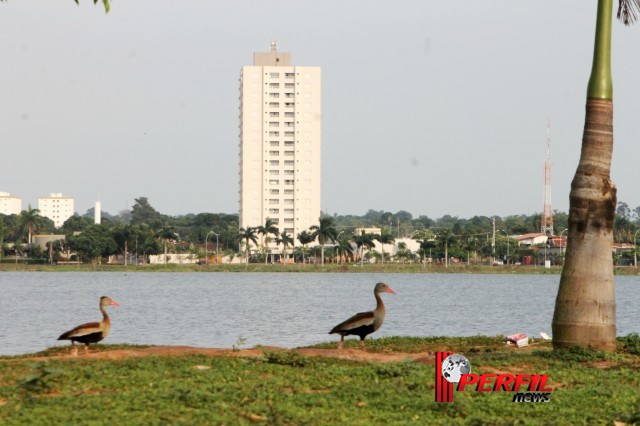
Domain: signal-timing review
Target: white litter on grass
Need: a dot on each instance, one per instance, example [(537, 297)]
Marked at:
[(544, 335)]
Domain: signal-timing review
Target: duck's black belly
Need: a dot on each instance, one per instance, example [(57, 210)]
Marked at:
[(361, 331), (89, 338)]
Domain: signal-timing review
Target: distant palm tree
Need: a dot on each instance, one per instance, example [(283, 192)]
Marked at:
[(269, 228), (286, 240), (445, 237), (585, 309), (343, 249), (305, 238), (30, 220), (248, 235), (363, 241), (324, 232), (384, 238)]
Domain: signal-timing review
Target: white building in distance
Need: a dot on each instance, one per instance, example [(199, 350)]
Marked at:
[(280, 137), (10, 204), (56, 207)]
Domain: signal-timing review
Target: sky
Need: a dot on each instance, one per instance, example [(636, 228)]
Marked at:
[(431, 107)]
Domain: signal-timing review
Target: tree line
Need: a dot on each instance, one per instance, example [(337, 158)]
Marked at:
[(145, 231)]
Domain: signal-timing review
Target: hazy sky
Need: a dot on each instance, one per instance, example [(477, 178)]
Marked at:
[(433, 107)]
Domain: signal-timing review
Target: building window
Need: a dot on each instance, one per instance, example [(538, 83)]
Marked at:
[(274, 172), (274, 143), (288, 114), (289, 75), (288, 143), (274, 182), (274, 162), (274, 124), (274, 114), (274, 201), (274, 191), (274, 153), (274, 95), (274, 85), (288, 181), (288, 162), (274, 134), (288, 211), (289, 134), (274, 104), (288, 192), (288, 153), (275, 75), (288, 172), (274, 211)]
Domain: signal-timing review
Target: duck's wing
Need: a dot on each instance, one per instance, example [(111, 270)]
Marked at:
[(82, 330), (360, 319)]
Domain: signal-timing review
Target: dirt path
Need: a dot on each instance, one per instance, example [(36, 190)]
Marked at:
[(350, 354)]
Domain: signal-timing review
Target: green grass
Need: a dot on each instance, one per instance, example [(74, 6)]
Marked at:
[(287, 388)]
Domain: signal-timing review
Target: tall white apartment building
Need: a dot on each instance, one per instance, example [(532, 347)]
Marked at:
[(280, 137), (10, 204), (56, 207)]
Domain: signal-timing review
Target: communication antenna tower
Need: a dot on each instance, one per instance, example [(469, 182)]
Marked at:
[(547, 212)]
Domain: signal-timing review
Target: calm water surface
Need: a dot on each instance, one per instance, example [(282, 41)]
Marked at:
[(290, 309)]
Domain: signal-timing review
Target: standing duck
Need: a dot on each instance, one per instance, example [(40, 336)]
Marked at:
[(364, 323), (91, 332)]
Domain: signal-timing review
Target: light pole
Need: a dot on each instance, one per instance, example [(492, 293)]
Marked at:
[(562, 244), (206, 246), (635, 255)]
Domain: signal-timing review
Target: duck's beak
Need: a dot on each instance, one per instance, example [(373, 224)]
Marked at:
[(390, 291), (114, 303)]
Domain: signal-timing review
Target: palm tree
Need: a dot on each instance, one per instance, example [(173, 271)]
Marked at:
[(363, 241), (385, 238), (445, 238), (343, 248), (248, 235), (585, 310), (305, 238), (30, 220), (269, 228), (286, 240), (324, 232)]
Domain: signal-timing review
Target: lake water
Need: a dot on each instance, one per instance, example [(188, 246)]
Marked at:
[(288, 309)]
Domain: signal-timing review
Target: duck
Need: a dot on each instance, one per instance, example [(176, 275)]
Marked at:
[(92, 332), (364, 323)]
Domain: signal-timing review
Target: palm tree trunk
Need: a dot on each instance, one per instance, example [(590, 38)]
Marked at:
[(585, 310)]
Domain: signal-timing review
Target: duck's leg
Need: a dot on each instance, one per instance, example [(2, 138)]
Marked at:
[(74, 349), (362, 344), (86, 349), (340, 342)]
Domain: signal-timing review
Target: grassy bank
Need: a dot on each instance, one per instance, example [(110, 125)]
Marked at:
[(392, 268), (286, 388)]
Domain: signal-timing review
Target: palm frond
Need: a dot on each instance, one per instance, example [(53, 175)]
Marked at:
[(627, 11)]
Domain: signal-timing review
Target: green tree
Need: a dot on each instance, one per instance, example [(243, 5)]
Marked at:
[(362, 242), (248, 235), (93, 243), (30, 221), (266, 231), (343, 249), (286, 240), (384, 238), (305, 239), (445, 238), (324, 232), (143, 212), (585, 310)]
